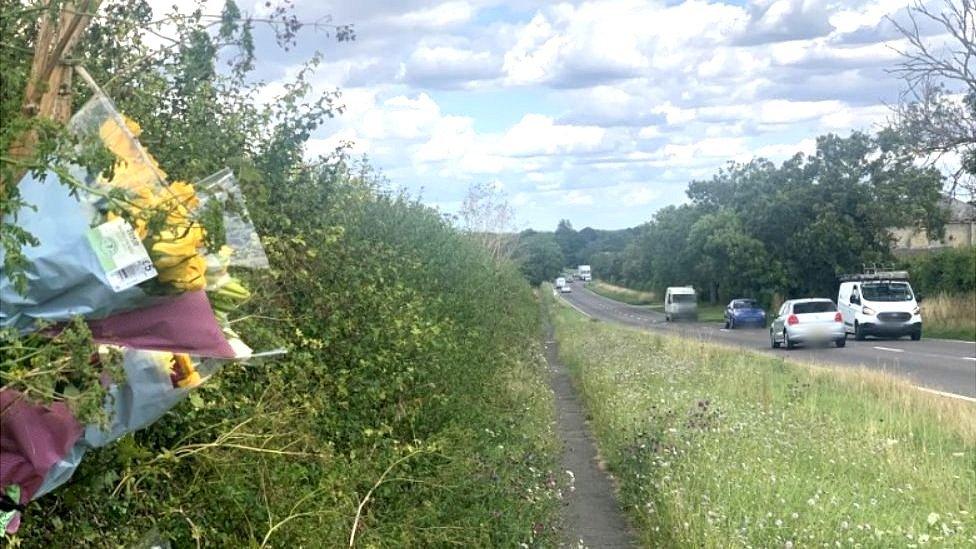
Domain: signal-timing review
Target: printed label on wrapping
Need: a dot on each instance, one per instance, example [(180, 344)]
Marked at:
[(121, 254)]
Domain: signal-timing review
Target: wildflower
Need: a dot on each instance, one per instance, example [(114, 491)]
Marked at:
[(933, 518)]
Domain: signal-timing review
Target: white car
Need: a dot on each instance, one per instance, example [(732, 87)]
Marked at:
[(566, 289), (886, 307), (805, 321)]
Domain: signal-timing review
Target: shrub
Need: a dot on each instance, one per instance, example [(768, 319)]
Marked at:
[(413, 377), (951, 271)]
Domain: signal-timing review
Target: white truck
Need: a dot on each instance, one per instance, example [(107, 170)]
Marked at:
[(680, 302), (879, 303), (560, 282), (585, 273)]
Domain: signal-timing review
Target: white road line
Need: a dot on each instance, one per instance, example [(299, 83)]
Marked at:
[(973, 358), (889, 349), (945, 394), (584, 313)]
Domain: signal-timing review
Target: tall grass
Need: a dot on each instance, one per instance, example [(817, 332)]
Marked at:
[(624, 295), (714, 447), (950, 316)]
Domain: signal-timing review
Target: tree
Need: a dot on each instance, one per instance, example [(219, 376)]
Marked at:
[(937, 113), (539, 257), (489, 219), (569, 242)]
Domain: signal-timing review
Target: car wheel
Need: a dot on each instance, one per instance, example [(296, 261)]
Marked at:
[(858, 332), (917, 335), (726, 324), (772, 340), (840, 342), (786, 340), (731, 323)]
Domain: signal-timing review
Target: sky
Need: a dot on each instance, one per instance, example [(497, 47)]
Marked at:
[(599, 111)]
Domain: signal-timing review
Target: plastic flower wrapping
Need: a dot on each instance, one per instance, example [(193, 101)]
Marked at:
[(146, 263)]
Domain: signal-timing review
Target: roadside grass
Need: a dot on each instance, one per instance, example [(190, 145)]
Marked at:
[(716, 447), (950, 316), (706, 313), (624, 295), (711, 313)]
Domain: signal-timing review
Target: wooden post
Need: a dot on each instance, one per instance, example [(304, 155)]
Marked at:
[(48, 93)]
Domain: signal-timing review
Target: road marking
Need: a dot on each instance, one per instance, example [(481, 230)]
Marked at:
[(973, 358), (584, 313), (945, 394), (889, 349)]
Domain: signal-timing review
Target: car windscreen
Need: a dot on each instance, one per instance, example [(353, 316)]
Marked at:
[(682, 298), (886, 291), (814, 307), (745, 304)]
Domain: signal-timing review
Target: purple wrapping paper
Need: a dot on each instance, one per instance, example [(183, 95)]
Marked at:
[(185, 324), (32, 439)]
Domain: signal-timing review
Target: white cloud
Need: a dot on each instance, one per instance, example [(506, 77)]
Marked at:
[(442, 15), (576, 198), (597, 103), (538, 135)]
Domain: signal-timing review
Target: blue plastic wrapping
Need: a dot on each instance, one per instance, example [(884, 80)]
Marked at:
[(64, 276), (143, 398)]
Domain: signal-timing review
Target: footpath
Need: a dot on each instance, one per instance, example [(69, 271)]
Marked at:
[(591, 516)]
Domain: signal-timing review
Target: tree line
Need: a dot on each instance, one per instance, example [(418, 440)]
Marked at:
[(772, 231)]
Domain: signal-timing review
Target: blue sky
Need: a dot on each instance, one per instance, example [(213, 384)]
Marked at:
[(598, 111)]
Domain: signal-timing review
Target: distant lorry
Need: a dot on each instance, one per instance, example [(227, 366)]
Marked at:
[(680, 302), (584, 273), (560, 282), (879, 303)]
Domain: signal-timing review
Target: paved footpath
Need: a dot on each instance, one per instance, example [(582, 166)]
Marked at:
[(591, 515)]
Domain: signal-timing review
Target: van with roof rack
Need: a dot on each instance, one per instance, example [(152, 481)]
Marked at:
[(879, 303)]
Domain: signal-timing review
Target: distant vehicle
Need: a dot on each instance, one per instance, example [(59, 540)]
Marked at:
[(744, 312), (560, 283), (680, 302), (879, 304), (566, 289), (585, 274), (803, 321)]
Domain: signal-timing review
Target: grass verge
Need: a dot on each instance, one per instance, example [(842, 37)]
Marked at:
[(950, 316), (714, 447), (624, 295)]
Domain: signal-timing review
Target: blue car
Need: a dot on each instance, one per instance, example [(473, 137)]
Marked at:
[(744, 312)]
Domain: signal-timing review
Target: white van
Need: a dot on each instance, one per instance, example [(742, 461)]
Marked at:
[(879, 304), (560, 282), (680, 302)]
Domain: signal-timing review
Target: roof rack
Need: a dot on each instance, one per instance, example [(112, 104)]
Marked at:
[(875, 273)]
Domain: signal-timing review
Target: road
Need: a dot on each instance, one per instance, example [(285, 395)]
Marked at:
[(934, 364)]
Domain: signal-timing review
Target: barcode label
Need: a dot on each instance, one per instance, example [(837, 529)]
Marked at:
[(131, 275), (121, 254)]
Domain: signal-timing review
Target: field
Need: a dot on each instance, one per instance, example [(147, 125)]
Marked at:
[(715, 447), (624, 295), (950, 316)]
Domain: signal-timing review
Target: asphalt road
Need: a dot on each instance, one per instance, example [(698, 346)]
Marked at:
[(935, 364)]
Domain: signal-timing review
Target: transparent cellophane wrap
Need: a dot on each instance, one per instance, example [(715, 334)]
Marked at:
[(221, 190), (64, 275)]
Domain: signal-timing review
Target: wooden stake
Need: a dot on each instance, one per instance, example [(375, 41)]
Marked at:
[(48, 93)]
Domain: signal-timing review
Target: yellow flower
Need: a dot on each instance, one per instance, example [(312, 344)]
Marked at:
[(134, 167), (176, 244), (183, 193), (187, 275)]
